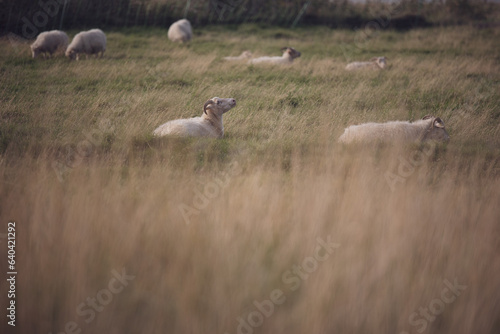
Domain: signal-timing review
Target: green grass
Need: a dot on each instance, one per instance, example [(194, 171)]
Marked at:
[(160, 79)]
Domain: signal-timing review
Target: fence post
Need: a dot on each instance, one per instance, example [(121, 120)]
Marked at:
[(137, 14), (156, 10), (146, 17), (8, 17), (302, 11), (62, 14), (188, 3), (128, 13)]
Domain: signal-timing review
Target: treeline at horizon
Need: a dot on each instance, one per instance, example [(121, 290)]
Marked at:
[(28, 18)]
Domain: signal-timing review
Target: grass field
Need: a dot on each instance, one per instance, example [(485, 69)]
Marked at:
[(276, 228)]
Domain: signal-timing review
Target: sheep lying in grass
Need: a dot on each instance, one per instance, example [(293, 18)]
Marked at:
[(244, 55), (289, 54), (180, 31), (208, 125), (428, 128), (88, 42), (374, 63), (49, 42)]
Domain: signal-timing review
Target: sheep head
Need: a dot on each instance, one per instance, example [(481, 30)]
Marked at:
[(380, 61), (246, 54), (436, 130), (218, 105), (291, 52), (35, 51), (71, 54)]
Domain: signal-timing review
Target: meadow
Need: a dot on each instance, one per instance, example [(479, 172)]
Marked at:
[(276, 228)]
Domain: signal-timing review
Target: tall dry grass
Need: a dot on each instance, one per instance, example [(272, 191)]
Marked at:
[(396, 247), (408, 220)]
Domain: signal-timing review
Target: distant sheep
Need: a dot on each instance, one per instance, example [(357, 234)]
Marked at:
[(244, 55), (428, 128), (180, 31), (374, 63), (208, 125), (289, 54), (88, 42), (49, 42)]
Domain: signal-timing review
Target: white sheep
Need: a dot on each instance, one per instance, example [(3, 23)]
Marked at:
[(374, 63), (428, 128), (88, 42), (49, 42), (244, 55), (289, 54), (208, 125), (180, 31)]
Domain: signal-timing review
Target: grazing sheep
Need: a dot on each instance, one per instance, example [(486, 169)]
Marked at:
[(428, 128), (245, 55), (89, 42), (208, 125), (180, 31), (49, 42), (374, 63), (289, 54)]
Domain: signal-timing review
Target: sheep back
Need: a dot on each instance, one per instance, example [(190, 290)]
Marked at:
[(289, 54), (374, 63), (49, 41), (266, 59), (180, 31), (431, 128), (193, 127), (243, 55), (360, 64), (88, 42)]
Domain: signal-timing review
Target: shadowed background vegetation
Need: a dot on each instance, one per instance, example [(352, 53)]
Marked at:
[(80, 14), (92, 191)]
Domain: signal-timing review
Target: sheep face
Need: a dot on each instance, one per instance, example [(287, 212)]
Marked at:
[(380, 61), (34, 51), (246, 54), (437, 131), (291, 52), (71, 54), (219, 105)]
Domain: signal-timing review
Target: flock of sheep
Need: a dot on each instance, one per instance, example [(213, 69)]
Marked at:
[(87, 42), (210, 124)]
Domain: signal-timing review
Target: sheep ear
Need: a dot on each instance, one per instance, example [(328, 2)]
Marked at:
[(284, 48), (427, 117), (206, 105), (374, 59), (438, 123)]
